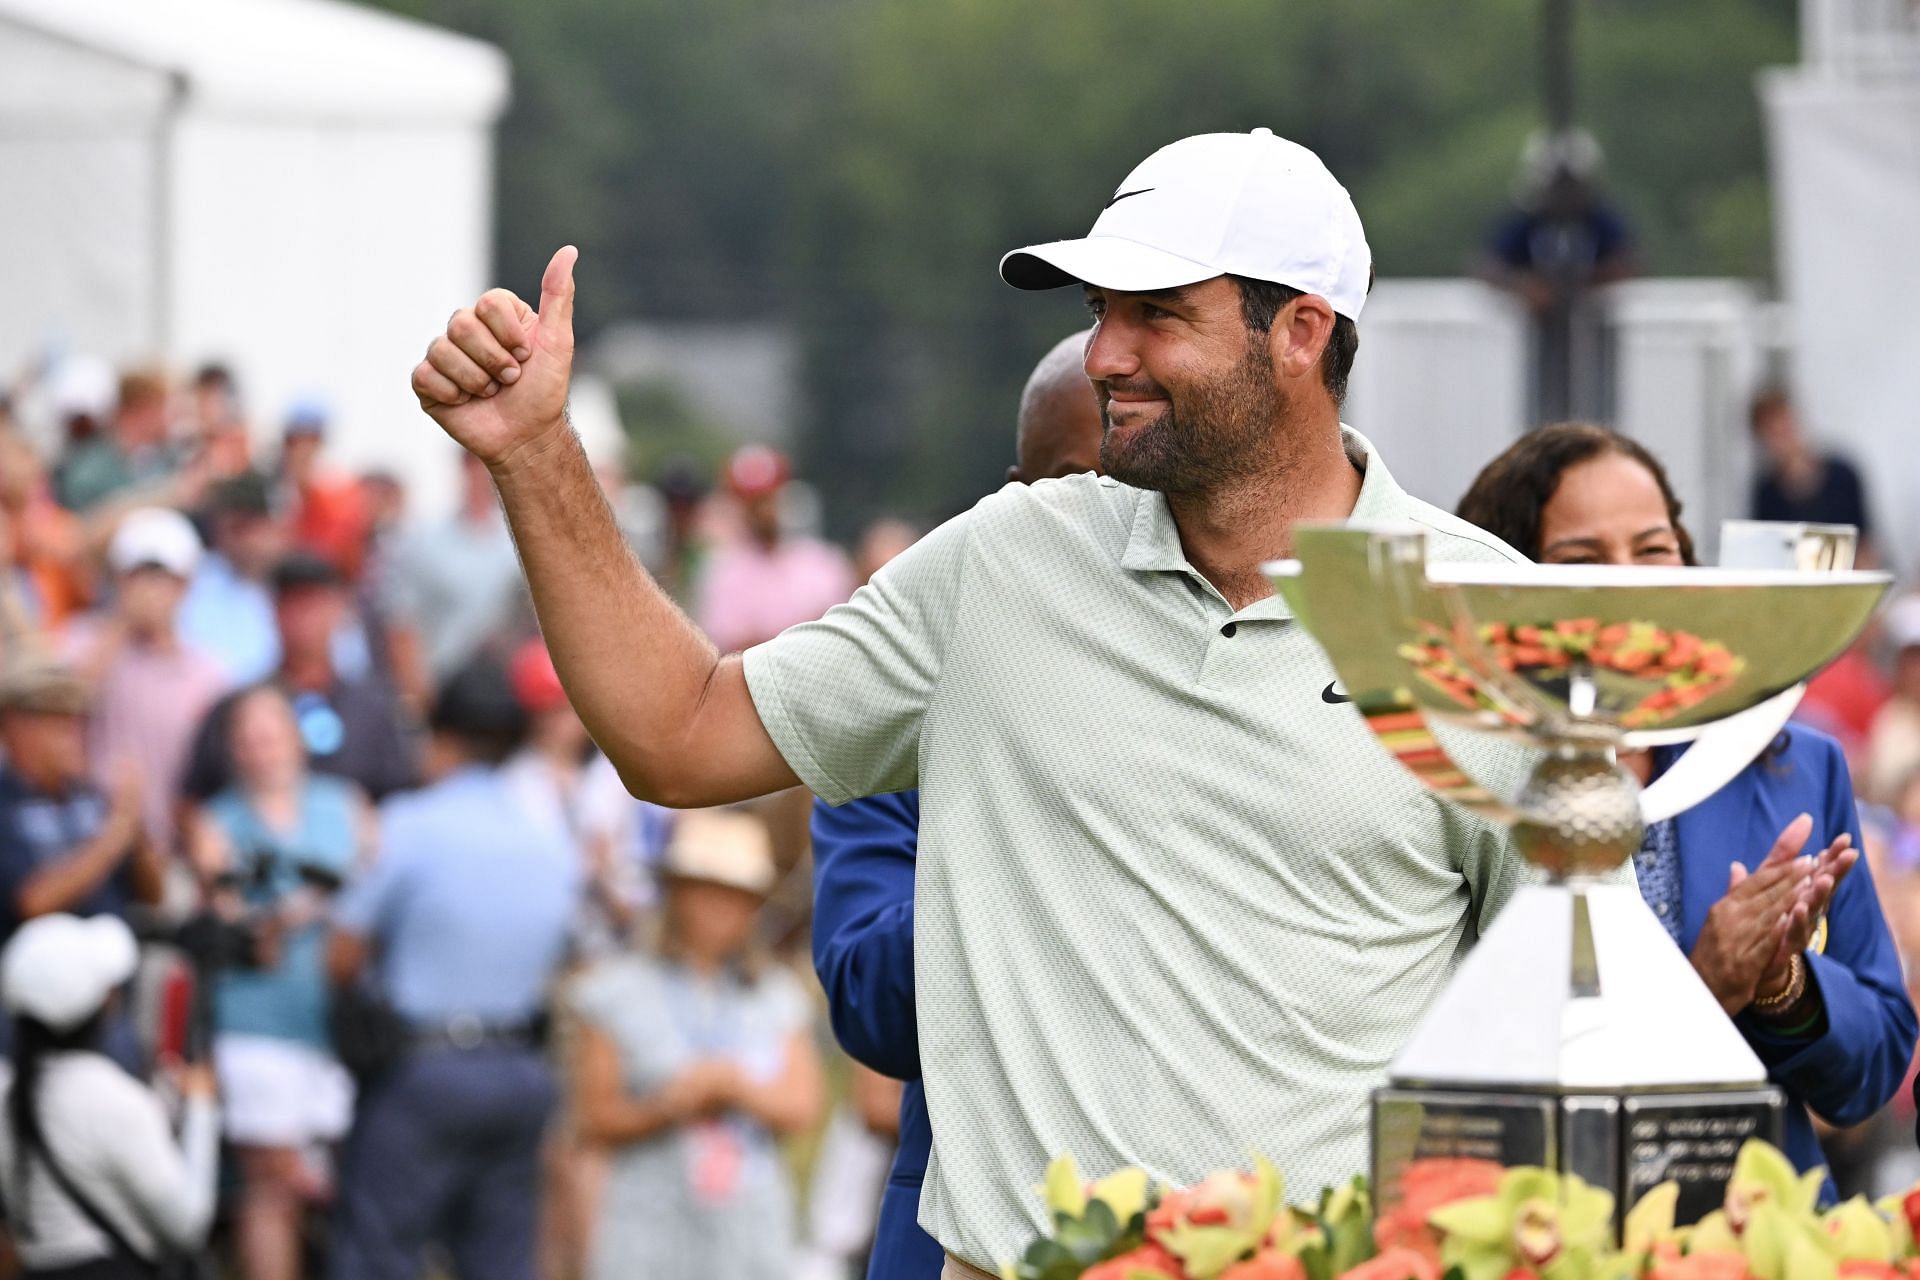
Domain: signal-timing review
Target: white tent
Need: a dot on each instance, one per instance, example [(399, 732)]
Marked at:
[(302, 188)]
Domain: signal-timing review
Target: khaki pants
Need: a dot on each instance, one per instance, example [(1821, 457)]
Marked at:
[(958, 1270)]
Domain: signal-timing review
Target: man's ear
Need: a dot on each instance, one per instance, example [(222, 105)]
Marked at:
[(1013, 475), (1300, 335)]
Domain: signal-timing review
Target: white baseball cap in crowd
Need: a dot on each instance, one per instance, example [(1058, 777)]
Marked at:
[(83, 387), (721, 846), (154, 536), (1243, 204), (60, 969)]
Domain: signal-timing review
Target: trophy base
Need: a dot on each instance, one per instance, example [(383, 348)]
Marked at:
[(1623, 1141)]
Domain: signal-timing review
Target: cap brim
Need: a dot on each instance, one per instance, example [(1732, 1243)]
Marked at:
[(1108, 262)]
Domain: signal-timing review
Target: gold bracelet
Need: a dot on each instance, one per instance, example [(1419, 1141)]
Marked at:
[(1790, 994)]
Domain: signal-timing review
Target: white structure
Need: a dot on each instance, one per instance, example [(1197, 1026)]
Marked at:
[(1687, 356), (302, 188), (1441, 383), (1844, 131)]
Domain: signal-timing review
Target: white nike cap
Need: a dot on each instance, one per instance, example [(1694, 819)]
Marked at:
[(1243, 204)]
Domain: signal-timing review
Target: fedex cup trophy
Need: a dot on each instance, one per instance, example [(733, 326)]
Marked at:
[(1575, 1035)]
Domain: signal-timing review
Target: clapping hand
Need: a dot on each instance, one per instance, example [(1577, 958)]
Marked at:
[(1803, 921), (1767, 916)]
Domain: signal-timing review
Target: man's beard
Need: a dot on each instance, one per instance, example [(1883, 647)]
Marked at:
[(1206, 437)]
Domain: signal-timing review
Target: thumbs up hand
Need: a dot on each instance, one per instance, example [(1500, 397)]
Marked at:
[(496, 380)]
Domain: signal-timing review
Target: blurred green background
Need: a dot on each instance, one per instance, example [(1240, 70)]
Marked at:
[(855, 168)]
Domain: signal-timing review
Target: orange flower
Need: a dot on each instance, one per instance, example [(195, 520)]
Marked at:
[(1268, 1264), (1395, 1264), (1425, 1185), (1148, 1258), (1712, 1265)]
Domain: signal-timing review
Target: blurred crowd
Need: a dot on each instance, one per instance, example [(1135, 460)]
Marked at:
[(446, 992), (452, 986)]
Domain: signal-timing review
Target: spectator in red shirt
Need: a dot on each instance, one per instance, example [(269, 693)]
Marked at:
[(328, 511)]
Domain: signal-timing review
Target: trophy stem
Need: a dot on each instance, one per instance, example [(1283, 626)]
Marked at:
[(1580, 811)]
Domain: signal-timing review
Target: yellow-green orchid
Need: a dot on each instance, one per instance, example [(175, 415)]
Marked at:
[(1221, 1220), (1857, 1232), (1781, 1245), (1650, 1221), (1124, 1192), (1761, 1175), (1552, 1224), (1063, 1191)]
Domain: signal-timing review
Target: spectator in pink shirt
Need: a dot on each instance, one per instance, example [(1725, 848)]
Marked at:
[(151, 688), (764, 580)]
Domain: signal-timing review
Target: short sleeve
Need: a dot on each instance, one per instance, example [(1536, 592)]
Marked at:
[(844, 698), (600, 992), (368, 905)]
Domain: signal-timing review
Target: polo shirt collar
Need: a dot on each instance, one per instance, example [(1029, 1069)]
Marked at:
[(1153, 545)]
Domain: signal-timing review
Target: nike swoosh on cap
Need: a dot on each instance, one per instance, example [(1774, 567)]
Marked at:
[(1118, 196), (1332, 694)]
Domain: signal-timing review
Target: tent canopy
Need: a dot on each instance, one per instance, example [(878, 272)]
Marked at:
[(311, 59)]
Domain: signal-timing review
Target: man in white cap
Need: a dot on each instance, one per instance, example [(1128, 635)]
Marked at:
[(152, 689), (1173, 901)]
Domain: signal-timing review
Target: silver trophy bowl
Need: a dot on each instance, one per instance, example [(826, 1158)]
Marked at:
[(1575, 1035)]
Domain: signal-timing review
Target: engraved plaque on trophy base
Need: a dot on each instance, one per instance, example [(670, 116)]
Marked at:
[(1623, 1142)]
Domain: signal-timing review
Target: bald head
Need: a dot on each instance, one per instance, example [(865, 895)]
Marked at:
[(1059, 431)]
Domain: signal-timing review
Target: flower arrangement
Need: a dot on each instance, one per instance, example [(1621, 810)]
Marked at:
[(1683, 669), (1464, 1220)]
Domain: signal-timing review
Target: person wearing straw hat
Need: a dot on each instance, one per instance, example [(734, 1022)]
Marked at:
[(95, 1185), (695, 1057)]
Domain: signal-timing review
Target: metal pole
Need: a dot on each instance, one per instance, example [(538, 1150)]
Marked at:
[(1556, 63)]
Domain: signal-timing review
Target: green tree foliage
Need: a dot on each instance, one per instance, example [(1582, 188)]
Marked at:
[(856, 167)]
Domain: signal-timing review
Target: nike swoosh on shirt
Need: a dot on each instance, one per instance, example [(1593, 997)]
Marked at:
[(1331, 694), (1118, 196)]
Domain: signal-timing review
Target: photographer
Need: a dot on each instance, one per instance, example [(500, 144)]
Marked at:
[(272, 848), (94, 1185)]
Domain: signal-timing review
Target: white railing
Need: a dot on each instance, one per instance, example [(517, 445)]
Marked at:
[(1441, 382), (1861, 39)]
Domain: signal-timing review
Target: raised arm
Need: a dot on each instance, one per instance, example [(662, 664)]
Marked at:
[(673, 716)]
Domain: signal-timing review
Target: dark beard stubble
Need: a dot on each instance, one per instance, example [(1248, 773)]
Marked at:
[(1208, 436)]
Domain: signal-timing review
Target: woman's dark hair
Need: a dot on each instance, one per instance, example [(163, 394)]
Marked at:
[(33, 1043), (1510, 492)]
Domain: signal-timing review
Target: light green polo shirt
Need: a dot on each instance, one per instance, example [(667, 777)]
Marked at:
[(1173, 906)]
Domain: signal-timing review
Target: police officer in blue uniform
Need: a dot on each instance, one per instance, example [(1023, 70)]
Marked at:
[(462, 924)]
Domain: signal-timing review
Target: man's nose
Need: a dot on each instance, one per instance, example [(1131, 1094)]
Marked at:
[(1110, 352)]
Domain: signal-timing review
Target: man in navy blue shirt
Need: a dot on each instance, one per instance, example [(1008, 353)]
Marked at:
[(864, 862), (65, 845)]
